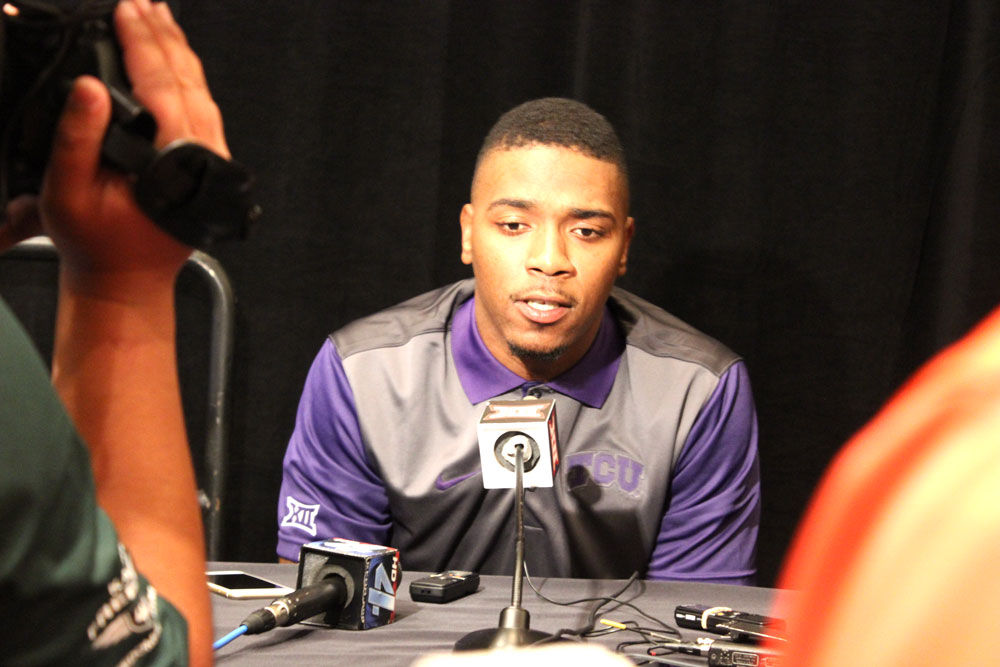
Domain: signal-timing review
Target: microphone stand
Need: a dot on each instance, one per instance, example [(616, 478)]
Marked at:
[(514, 629)]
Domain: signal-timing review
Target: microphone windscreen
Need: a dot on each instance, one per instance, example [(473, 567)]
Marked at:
[(370, 572), (506, 425)]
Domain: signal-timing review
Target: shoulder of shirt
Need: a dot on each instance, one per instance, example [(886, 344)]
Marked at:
[(397, 325), (649, 328)]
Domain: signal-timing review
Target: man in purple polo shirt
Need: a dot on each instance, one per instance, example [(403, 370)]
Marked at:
[(657, 428)]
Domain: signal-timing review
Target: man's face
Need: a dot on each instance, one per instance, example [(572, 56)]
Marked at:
[(547, 233)]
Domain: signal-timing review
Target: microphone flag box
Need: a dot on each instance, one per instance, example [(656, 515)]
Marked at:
[(506, 424), (372, 575)]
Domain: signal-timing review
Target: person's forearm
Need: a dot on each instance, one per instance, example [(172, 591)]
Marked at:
[(114, 365)]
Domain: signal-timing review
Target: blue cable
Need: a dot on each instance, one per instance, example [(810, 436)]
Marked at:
[(219, 643)]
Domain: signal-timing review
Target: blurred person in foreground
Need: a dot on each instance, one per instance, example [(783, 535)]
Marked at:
[(895, 561), (102, 557)]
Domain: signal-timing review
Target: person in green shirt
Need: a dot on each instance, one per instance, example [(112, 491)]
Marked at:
[(101, 544)]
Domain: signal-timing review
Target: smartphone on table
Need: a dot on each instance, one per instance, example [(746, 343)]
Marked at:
[(240, 585)]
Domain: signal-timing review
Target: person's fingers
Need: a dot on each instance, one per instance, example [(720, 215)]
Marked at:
[(168, 77), (159, 15), (148, 46), (20, 221), (76, 144)]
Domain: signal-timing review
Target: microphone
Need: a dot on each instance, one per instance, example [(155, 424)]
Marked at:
[(505, 427), (517, 448), (370, 574), (342, 584), (330, 593)]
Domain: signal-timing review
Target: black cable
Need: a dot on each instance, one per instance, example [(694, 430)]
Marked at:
[(603, 601)]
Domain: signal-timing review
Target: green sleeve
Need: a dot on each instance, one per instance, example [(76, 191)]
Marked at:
[(68, 590)]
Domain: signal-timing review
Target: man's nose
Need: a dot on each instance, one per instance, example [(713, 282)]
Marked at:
[(548, 252)]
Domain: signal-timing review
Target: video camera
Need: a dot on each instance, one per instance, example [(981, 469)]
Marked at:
[(194, 194)]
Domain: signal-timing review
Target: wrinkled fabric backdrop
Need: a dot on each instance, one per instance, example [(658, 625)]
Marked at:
[(814, 184)]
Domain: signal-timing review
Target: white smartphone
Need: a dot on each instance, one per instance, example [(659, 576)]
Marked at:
[(241, 585)]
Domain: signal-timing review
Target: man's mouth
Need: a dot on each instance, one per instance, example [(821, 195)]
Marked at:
[(542, 310)]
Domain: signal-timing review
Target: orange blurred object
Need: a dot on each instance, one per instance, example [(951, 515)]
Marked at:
[(896, 560)]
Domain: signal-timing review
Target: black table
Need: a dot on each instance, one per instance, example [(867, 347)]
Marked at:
[(422, 628)]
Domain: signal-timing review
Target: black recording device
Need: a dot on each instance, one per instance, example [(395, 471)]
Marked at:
[(444, 586), (194, 194), (741, 626), (731, 654), (744, 632)]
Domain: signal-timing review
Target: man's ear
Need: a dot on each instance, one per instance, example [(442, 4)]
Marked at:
[(465, 220), (629, 231)]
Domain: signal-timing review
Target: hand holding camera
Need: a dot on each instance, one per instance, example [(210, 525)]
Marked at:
[(164, 135)]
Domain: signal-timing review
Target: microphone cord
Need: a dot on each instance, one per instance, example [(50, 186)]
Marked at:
[(222, 641)]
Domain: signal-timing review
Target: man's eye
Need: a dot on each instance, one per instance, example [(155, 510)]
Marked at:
[(588, 233), (511, 226)]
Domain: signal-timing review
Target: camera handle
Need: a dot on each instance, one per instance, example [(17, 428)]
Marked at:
[(191, 192)]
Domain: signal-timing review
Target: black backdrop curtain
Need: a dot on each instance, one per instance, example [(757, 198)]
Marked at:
[(815, 184)]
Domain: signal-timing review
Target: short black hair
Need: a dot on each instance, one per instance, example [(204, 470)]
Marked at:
[(556, 121)]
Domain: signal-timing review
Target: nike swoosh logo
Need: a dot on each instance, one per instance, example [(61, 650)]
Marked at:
[(442, 484)]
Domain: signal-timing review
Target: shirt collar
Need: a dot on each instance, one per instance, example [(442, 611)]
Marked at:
[(589, 381)]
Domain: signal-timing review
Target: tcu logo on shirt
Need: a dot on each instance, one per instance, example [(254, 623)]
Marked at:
[(300, 515), (604, 469)]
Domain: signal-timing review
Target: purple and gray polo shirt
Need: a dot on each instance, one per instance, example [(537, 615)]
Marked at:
[(657, 441)]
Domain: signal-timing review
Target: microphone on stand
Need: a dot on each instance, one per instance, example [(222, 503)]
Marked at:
[(530, 422), (510, 433)]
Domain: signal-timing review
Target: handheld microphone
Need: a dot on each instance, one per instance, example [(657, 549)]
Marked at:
[(371, 576), (329, 593), (530, 423), (342, 584)]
